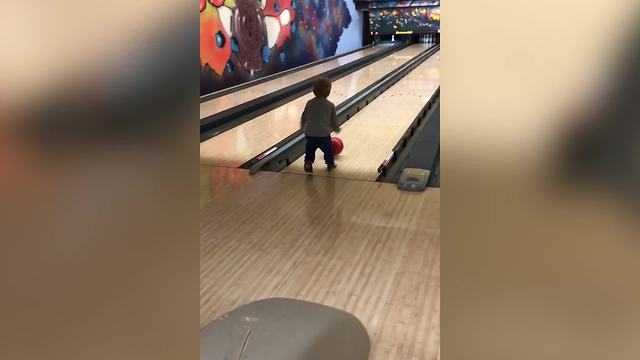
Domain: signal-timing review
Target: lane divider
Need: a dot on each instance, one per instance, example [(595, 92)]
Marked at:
[(231, 89), (401, 145), (291, 148), (218, 123)]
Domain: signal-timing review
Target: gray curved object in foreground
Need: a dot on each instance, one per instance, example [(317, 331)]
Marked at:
[(284, 329)]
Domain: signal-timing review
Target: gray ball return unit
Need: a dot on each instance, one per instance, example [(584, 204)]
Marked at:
[(284, 329)]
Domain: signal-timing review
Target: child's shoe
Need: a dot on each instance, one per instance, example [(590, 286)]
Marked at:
[(331, 167), (308, 167)]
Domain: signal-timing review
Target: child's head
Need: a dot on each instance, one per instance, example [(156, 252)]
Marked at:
[(322, 87)]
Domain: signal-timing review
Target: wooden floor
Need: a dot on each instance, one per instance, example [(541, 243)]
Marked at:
[(236, 146), (360, 246), (236, 98), (372, 133)]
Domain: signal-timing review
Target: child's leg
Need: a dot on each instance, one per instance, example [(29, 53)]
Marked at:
[(327, 149), (310, 150)]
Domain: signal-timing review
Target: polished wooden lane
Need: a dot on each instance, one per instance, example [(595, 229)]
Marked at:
[(371, 134), (236, 98), (236, 146), (360, 246)]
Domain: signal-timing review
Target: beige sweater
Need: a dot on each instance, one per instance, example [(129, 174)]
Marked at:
[(319, 118)]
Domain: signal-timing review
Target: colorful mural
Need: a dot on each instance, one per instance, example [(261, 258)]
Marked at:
[(242, 40), (417, 20)]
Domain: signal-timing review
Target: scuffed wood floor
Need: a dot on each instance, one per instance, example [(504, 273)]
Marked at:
[(359, 246)]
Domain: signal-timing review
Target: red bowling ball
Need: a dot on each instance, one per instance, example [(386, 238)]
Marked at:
[(337, 145)]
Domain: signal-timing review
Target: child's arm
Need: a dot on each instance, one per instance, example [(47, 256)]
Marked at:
[(334, 120), (303, 118)]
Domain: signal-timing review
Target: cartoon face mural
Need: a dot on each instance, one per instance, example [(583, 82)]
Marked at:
[(242, 40), (238, 35)]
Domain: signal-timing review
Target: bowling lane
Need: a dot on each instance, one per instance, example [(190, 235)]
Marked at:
[(360, 246), (370, 135), (236, 146), (228, 101)]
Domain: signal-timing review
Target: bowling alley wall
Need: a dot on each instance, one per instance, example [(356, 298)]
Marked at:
[(243, 40), (415, 20)]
